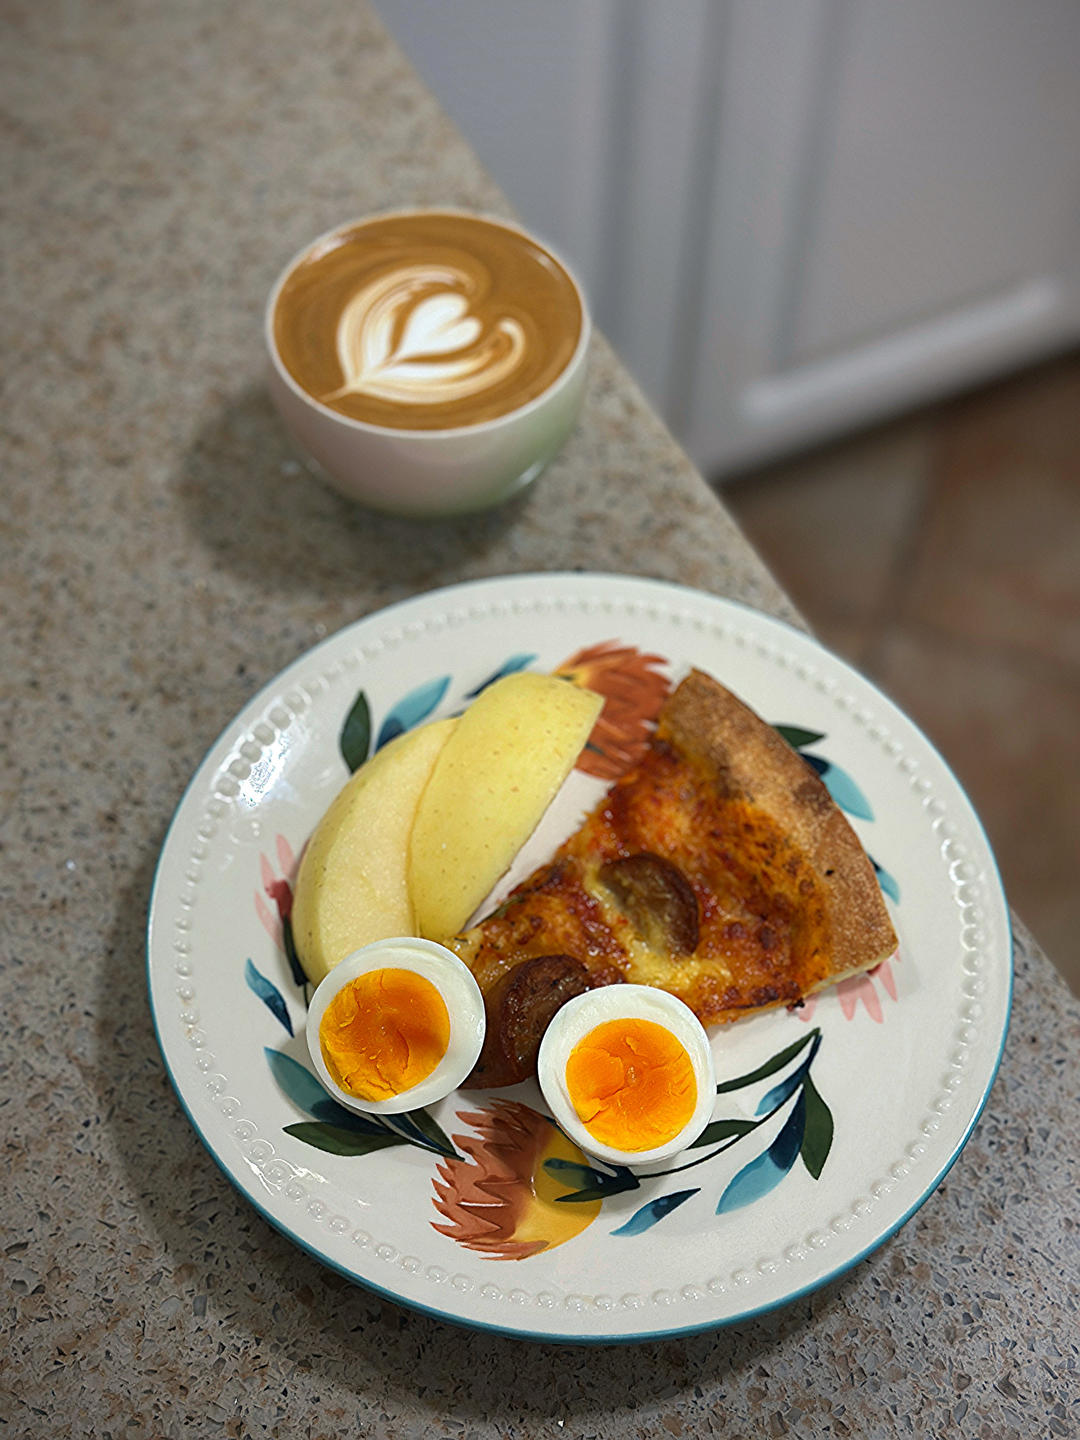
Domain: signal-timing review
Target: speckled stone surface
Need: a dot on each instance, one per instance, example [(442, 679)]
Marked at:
[(164, 556)]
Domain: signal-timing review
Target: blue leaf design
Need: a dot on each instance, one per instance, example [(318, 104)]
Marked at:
[(779, 1093), (269, 994), (647, 1216), (843, 789), (751, 1183), (299, 1084), (508, 667), (418, 1128), (302, 1088), (786, 1146), (886, 881), (592, 1184), (572, 1172), (417, 705), (763, 1174)]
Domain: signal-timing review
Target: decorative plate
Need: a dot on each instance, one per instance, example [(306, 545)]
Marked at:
[(833, 1123)]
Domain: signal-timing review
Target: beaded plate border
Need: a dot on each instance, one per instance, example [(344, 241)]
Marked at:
[(276, 1184)]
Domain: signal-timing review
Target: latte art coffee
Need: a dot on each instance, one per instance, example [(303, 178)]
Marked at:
[(427, 321), (428, 362)]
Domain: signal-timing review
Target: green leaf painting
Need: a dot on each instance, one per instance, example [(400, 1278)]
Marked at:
[(818, 1136), (338, 1140), (355, 741), (770, 1067), (797, 737)]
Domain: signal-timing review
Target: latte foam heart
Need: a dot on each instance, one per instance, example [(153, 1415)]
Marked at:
[(427, 320), (407, 338)]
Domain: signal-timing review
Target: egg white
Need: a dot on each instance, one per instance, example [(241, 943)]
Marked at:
[(464, 1003), (615, 1002)]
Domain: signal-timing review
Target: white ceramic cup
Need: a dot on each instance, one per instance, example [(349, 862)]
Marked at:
[(425, 472)]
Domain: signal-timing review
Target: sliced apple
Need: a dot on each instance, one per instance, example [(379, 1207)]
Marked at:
[(492, 781), (352, 887)]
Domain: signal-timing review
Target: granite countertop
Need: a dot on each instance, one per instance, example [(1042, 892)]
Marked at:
[(164, 557)]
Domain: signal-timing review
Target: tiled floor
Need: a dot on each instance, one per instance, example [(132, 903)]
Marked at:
[(941, 554)]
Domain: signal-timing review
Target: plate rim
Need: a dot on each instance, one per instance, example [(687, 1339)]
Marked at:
[(240, 1180)]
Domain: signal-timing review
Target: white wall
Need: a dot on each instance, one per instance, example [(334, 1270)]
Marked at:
[(791, 216)]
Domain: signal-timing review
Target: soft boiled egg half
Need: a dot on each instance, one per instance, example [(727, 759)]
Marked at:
[(627, 1071), (396, 1025)]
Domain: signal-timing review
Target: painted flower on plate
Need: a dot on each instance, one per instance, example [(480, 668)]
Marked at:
[(633, 688), (500, 1199), (277, 887), (861, 987)]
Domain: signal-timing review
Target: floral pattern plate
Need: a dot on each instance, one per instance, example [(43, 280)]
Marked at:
[(833, 1123)]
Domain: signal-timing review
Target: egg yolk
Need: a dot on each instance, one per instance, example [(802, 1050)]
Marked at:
[(383, 1033), (632, 1084)]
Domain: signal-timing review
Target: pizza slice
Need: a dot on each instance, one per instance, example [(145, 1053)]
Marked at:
[(719, 869)]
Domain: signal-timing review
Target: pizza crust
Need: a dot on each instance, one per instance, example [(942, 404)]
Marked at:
[(753, 762)]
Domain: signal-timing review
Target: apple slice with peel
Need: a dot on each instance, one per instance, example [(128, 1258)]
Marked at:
[(491, 783), (352, 886)]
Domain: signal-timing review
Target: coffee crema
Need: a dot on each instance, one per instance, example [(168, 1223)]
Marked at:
[(426, 321)]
